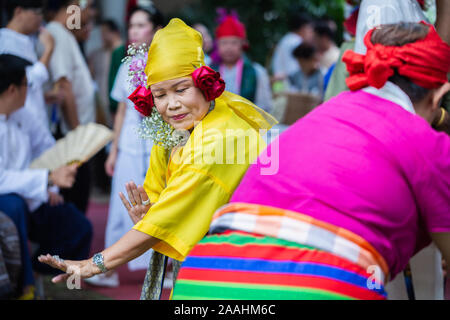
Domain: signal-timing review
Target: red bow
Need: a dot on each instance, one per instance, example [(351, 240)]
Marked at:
[(426, 62)]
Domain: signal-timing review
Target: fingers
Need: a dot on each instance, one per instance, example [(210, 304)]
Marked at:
[(52, 262), (73, 168), (142, 193), (68, 183), (125, 201), (55, 199), (136, 193), (130, 194), (109, 169), (61, 278)]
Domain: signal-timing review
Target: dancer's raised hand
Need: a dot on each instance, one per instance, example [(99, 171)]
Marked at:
[(137, 203)]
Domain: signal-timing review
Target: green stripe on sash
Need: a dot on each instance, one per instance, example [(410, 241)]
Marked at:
[(199, 290), (242, 239)]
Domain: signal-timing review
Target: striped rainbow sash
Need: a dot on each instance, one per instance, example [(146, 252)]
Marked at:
[(302, 229)]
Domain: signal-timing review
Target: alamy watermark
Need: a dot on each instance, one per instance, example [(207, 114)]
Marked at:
[(73, 21), (375, 281), (73, 282)]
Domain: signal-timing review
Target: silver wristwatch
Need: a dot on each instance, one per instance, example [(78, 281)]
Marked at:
[(99, 262)]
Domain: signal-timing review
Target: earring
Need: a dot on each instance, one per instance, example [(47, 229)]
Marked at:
[(441, 120)]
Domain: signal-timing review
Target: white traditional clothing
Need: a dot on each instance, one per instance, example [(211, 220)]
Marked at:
[(68, 62), (131, 165), (20, 143), (376, 12), (22, 46)]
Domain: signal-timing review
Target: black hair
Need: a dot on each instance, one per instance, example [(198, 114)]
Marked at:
[(322, 29), (56, 5), (304, 51), (12, 71), (415, 92), (298, 20), (111, 25), (398, 35), (11, 6), (154, 15)]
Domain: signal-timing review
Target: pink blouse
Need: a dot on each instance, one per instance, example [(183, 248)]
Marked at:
[(365, 164)]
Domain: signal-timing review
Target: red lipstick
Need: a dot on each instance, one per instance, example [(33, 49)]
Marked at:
[(179, 117)]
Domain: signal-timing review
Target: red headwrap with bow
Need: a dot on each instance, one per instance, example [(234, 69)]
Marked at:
[(231, 27), (425, 62)]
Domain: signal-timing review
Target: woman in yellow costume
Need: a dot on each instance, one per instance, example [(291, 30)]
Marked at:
[(186, 183)]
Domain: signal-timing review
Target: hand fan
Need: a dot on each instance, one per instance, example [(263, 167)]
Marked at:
[(78, 146)]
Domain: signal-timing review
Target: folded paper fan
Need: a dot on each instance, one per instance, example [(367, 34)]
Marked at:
[(78, 146)]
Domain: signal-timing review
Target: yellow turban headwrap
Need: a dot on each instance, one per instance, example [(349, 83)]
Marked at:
[(176, 51)]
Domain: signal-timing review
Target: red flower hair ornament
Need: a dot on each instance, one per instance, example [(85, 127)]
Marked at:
[(209, 82), (143, 100), (205, 78)]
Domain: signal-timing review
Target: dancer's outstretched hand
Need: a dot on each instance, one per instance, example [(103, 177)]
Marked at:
[(136, 203), (83, 269)]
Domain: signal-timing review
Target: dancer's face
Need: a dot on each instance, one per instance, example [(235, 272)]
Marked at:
[(180, 103)]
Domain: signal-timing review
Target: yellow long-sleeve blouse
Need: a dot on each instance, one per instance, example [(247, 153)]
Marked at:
[(189, 185)]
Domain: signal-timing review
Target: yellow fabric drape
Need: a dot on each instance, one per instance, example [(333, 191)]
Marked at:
[(256, 117), (188, 190)]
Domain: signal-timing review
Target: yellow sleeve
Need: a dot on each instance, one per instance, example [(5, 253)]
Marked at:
[(155, 180), (183, 213)]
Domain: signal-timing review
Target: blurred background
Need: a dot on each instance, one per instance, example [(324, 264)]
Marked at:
[(266, 20)]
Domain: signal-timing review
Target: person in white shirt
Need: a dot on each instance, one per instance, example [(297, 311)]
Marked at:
[(25, 18), (69, 72), (39, 214), (283, 63)]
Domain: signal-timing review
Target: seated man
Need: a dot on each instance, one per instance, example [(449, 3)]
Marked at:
[(309, 79), (39, 214)]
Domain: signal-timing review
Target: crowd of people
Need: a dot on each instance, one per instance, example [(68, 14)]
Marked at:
[(165, 199)]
